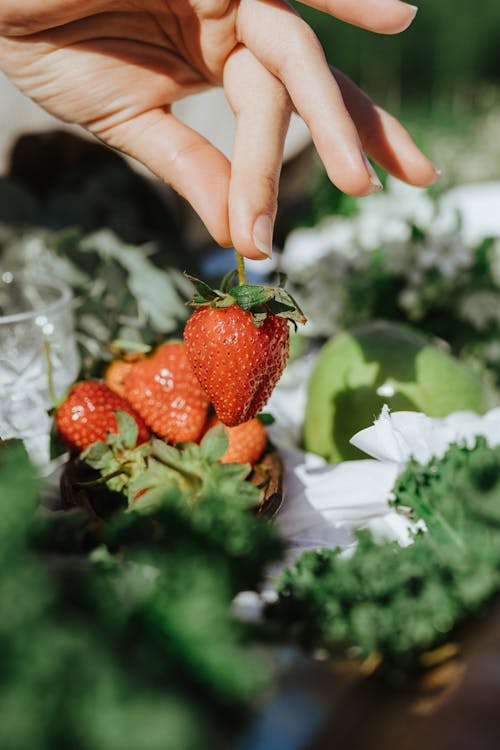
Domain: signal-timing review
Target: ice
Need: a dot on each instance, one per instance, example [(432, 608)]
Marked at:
[(24, 380)]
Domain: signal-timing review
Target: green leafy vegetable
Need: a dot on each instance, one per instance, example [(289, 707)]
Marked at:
[(121, 635), (401, 601)]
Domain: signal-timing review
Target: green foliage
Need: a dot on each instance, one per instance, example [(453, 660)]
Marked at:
[(133, 644), (448, 52), (120, 293), (402, 601), (145, 474)]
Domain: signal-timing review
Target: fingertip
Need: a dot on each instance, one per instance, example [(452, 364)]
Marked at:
[(398, 17), (254, 240), (357, 183), (416, 169)]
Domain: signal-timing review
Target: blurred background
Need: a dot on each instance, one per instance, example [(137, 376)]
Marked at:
[(441, 77)]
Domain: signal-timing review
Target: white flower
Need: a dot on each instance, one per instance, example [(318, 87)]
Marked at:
[(403, 435), (481, 308), (306, 246), (326, 503)]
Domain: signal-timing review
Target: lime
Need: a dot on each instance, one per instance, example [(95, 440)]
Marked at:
[(379, 363)]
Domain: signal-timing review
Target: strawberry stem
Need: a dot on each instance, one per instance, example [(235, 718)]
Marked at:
[(50, 375), (242, 275), (104, 479)]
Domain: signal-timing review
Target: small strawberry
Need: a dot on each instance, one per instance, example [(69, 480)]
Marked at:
[(127, 353), (116, 374), (88, 415), (247, 441), (165, 392), (237, 343)]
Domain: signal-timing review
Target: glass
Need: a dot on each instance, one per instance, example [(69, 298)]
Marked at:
[(36, 325)]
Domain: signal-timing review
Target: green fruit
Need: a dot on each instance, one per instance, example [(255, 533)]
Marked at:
[(381, 363)]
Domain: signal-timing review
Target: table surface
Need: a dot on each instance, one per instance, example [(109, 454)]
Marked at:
[(454, 703)]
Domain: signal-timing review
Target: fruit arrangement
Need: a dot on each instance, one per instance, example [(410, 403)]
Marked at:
[(187, 413)]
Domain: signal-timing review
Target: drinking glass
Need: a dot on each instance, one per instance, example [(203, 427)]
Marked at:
[(36, 328)]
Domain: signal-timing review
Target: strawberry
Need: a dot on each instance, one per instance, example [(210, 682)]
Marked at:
[(238, 346), (247, 441), (116, 374), (126, 354), (165, 392), (88, 415)]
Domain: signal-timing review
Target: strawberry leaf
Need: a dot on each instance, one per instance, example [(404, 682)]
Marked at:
[(165, 453), (248, 296), (205, 292), (229, 281), (127, 429), (152, 499), (214, 444), (94, 454)]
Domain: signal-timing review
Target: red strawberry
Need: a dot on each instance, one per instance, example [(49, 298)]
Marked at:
[(237, 363), (88, 414), (247, 441), (165, 392)]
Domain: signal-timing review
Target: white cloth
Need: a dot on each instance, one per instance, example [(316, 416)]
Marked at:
[(325, 503)]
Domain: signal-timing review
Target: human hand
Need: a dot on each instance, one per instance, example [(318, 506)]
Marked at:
[(116, 66)]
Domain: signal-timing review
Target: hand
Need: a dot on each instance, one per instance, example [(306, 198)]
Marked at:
[(116, 66)]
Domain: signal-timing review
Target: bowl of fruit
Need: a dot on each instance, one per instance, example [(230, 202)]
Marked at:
[(186, 415)]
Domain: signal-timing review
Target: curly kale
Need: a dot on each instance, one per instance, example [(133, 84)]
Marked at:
[(132, 645), (401, 601)]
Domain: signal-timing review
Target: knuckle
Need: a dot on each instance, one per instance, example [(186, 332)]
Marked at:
[(14, 21), (185, 153)]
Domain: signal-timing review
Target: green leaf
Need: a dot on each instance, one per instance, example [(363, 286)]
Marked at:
[(18, 493), (265, 418), (127, 428), (166, 453), (95, 453), (214, 444), (229, 281), (205, 291), (289, 307), (248, 296)]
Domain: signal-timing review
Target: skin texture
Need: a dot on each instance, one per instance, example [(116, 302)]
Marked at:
[(115, 68)]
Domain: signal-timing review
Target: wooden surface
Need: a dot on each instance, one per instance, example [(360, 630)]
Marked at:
[(454, 703)]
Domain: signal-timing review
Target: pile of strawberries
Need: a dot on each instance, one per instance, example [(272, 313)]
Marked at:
[(234, 350), (164, 397)]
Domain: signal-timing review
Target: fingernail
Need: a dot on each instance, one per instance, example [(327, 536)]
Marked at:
[(377, 185), (263, 234), (414, 13)]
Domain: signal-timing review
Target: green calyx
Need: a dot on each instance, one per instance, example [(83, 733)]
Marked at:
[(144, 474), (259, 301)]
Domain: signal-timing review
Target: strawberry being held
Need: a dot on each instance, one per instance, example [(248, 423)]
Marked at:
[(88, 415), (237, 343), (165, 392)]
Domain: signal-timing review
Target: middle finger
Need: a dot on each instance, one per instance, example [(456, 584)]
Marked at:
[(290, 50)]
